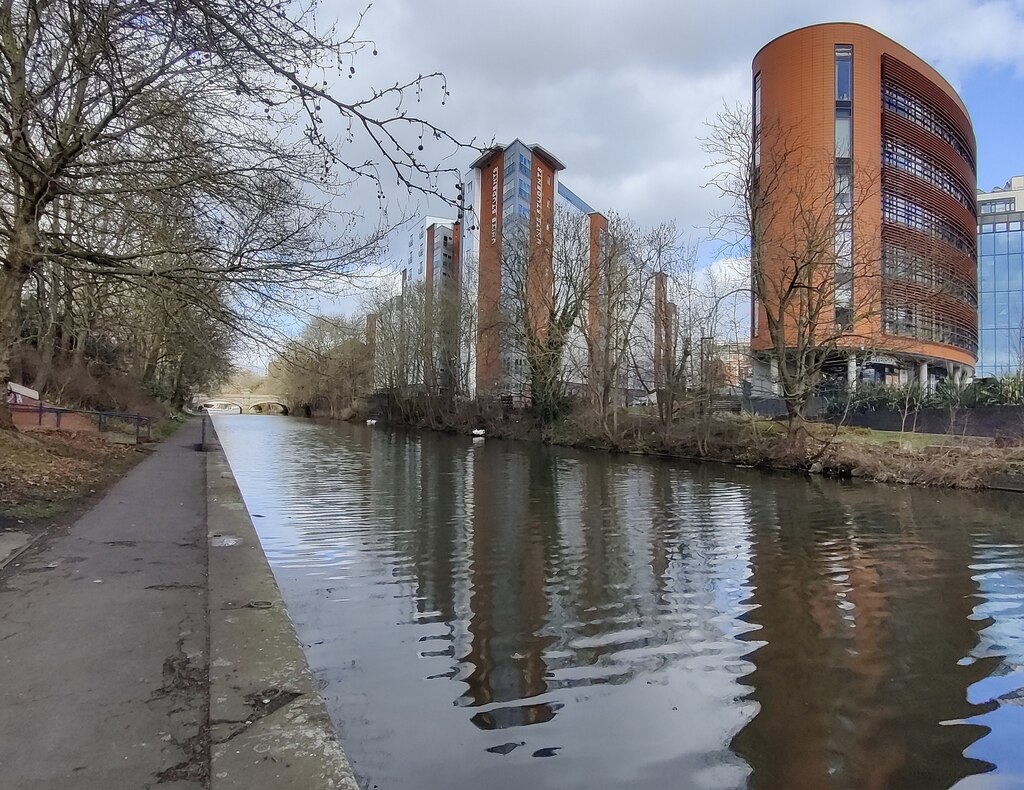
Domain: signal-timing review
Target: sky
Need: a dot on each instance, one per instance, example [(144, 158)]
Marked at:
[(622, 91)]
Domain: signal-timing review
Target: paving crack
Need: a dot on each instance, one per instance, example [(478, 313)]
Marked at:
[(263, 704)]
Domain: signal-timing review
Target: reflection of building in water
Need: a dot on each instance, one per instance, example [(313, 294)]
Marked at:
[(513, 525), (553, 573), (863, 623)]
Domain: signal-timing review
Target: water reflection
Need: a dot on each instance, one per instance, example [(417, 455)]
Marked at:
[(865, 602), (472, 608)]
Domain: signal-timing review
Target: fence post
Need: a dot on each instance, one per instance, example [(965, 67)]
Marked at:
[(138, 428), (202, 441), (40, 412), (58, 419)]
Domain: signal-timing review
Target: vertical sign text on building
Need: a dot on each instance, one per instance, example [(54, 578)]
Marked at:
[(539, 213), (494, 204)]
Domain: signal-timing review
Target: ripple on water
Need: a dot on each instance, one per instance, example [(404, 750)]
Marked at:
[(640, 624)]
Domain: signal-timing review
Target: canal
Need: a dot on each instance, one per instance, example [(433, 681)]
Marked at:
[(507, 615)]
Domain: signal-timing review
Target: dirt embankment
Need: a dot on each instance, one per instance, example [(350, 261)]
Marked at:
[(46, 473), (887, 457)]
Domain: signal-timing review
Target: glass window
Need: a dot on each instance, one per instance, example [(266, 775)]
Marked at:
[(844, 242), (1004, 350), (1001, 311), (757, 120), (1013, 241), (1015, 316), (988, 307), (988, 341), (1001, 243), (986, 273), (844, 189), (986, 244), (844, 72), (757, 100), (844, 135), (1002, 276), (897, 100), (996, 206), (1015, 272)]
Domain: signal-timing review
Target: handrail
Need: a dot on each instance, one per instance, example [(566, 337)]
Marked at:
[(102, 417)]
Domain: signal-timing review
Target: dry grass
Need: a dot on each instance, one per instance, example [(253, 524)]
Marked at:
[(912, 459), (966, 466), (42, 470)]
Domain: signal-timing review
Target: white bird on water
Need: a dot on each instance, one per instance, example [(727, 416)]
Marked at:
[(479, 432), (371, 422)]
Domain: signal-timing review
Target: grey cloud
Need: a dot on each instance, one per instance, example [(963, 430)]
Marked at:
[(621, 90)]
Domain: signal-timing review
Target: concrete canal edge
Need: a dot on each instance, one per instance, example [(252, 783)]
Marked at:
[(269, 727)]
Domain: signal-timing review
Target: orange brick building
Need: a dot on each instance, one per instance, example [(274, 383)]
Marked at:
[(511, 197), (847, 115)]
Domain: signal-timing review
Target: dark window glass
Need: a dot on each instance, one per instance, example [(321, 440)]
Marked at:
[(844, 72), (905, 157), (844, 189), (996, 206), (757, 120)]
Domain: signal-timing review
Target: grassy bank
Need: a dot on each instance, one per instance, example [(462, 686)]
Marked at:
[(888, 457)]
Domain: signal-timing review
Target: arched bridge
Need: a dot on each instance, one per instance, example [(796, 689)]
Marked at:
[(245, 402)]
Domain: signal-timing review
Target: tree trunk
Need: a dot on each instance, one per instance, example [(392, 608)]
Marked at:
[(13, 276), (49, 318)]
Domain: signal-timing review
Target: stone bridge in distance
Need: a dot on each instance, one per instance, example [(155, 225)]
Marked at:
[(245, 402)]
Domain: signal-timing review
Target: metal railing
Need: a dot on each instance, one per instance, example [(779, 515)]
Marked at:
[(105, 420)]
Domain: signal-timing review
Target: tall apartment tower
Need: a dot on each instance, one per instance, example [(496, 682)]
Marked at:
[(1001, 279), (511, 196), (429, 259), (843, 112), (415, 250)]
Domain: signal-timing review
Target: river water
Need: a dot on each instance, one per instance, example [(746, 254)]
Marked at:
[(508, 615)]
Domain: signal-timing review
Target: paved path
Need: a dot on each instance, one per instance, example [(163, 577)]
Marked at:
[(103, 639)]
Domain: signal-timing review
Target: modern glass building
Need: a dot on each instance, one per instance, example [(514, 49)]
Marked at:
[(1001, 279)]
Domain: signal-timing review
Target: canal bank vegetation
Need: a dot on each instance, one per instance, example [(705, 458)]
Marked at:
[(940, 460)]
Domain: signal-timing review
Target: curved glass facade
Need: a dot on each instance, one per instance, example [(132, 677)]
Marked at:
[(907, 158), (897, 100), (929, 242)]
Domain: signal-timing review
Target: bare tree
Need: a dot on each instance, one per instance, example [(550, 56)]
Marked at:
[(154, 140), (545, 291), (791, 214), (327, 368), (622, 292)]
